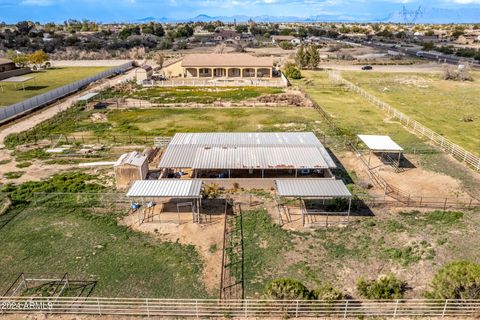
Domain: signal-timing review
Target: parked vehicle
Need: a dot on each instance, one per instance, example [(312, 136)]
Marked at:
[(367, 68)]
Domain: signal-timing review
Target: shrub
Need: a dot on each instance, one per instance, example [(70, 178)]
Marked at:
[(24, 164), (13, 174), (327, 292), (211, 191), (286, 289), (387, 287), (292, 72), (456, 280)]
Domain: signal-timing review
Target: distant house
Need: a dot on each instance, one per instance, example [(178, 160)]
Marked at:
[(143, 73), (6, 65), (278, 39), (228, 65), (227, 36), (129, 168), (468, 39)]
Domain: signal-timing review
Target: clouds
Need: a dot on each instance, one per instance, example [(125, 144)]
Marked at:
[(37, 3)]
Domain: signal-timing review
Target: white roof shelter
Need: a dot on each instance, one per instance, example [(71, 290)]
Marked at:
[(88, 96), (311, 188), (166, 188), (18, 79), (380, 143), (246, 150)]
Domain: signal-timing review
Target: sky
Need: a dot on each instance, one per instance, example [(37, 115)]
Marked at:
[(131, 10)]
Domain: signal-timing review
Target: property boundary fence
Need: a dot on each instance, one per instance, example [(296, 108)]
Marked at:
[(448, 146), (14, 110), (241, 308), (198, 82)]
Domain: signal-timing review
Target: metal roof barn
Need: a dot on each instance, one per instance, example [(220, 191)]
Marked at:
[(167, 188), (314, 188), (248, 150), (380, 143)]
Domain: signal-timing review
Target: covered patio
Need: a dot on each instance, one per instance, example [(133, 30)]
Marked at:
[(317, 197)]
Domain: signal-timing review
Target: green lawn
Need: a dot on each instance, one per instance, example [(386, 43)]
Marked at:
[(449, 108), (168, 121), (200, 94), (350, 111), (89, 246), (45, 80)]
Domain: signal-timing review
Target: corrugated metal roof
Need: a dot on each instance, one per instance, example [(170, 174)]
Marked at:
[(88, 96), (251, 150), (311, 188), (380, 143), (133, 158), (174, 188)]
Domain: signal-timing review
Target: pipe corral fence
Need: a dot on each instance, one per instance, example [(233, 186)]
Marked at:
[(10, 112), (240, 308)]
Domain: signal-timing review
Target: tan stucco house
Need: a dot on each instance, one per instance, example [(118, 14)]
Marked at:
[(231, 65)]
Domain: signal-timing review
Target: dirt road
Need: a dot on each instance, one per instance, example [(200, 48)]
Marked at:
[(413, 68), (31, 121)]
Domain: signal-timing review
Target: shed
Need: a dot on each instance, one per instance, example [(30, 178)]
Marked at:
[(145, 72), (129, 168)]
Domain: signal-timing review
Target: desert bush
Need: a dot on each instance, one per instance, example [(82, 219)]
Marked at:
[(456, 280), (286, 289), (457, 74), (387, 287), (211, 191), (327, 292), (292, 72)]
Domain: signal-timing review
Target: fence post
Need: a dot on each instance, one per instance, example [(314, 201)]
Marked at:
[(396, 307), (98, 305), (246, 308), (148, 308), (444, 308), (296, 310), (346, 308), (196, 308)]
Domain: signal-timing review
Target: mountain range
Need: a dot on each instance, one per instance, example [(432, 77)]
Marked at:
[(425, 15)]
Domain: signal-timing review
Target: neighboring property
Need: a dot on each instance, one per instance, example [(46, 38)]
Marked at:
[(234, 65), (278, 39), (8, 69), (227, 36), (143, 73), (246, 155), (129, 168)]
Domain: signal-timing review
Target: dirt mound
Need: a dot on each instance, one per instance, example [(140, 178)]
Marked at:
[(290, 99)]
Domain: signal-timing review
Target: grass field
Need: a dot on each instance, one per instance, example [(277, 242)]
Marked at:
[(168, 121), (411, 244), (44, 81), (92, 246), (202, 95), (449, 108), (350, 111)]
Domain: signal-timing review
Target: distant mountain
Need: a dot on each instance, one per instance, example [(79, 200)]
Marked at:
[(427, 15)]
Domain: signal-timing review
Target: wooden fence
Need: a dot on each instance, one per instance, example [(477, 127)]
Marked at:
[(241, 308), (448, 146)]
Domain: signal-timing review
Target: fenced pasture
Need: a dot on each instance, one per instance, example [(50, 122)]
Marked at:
[(455, 150), (243, 308), (449, 108), (45, 80)]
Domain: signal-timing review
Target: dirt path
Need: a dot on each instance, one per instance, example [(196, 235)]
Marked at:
[(414, 68), (31, 121)]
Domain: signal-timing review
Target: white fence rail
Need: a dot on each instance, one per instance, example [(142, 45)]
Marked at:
[(448, 146), (240, 308), (24, 106), (198, 82)]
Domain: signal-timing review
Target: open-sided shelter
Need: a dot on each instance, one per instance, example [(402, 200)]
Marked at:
[(246, 155), (150, 193), (382, 144), (317, 190)]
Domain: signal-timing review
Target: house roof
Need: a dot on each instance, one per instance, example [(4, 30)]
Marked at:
[(283, 38), (166, 188), (133, 158), (311, 188), (226, 60), (5, 61), (380, 143), (246, 150)]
